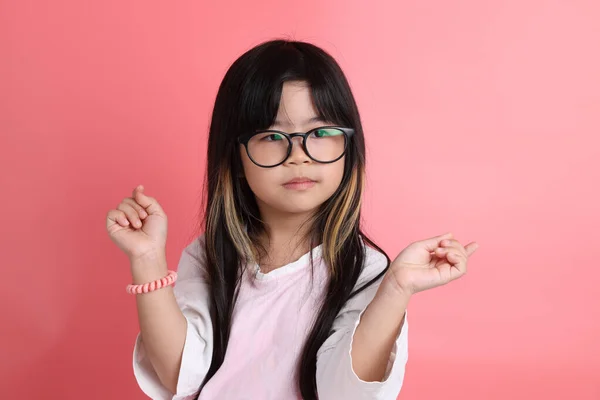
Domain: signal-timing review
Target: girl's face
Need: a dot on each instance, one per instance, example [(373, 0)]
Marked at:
[(271, 186)]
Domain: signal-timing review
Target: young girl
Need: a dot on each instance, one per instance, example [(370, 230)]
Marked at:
[(283, 296)]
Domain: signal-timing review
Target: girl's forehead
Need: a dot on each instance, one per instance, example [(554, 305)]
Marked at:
[(289, 124), (296, 107)]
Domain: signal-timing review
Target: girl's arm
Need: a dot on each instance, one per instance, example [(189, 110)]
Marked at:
[(162, 324), (173, 350), (350, 364), (376, 334), (378, 371)]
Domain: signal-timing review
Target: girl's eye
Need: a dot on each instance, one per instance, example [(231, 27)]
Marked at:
[(273, 137), (327, 132)]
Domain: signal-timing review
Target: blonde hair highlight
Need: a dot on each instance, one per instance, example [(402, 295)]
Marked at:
[(343, 218), (225, 201)]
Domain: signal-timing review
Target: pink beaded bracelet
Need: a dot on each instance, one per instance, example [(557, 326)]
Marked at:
[(151, 286)]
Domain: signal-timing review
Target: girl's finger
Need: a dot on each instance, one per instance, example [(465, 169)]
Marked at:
[(445, 251), (131, 214), (123, 218), (471, 247), (432, 243), (458, 261), (440, 251), (140, 210), (118, 216), (450, 254), (454, 244), (148, 203), (454, 256), (139, 188)]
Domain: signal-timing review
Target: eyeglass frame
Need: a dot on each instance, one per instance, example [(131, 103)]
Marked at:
[(244, 139)]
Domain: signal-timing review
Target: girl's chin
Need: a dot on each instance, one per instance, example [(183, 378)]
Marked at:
[(296, 208)]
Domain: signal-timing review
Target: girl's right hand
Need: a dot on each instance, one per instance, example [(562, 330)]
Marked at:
[(138, 225)]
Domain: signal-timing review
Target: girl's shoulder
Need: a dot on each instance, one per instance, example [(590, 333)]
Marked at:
[(374, 264), (192, 262)]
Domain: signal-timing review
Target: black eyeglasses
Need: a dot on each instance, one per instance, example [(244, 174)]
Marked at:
[(270, 148)]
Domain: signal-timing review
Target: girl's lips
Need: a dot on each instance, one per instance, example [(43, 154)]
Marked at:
[(299, 184)]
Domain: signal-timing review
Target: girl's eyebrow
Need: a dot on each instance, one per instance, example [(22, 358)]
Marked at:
[(306, 122)]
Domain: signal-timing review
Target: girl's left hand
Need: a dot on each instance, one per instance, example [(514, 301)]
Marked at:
[(428, 263)]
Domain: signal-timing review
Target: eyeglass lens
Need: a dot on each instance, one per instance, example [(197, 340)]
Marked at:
[(271, 148)]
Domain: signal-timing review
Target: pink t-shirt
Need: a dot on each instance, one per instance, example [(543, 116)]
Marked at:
[(271, 321)]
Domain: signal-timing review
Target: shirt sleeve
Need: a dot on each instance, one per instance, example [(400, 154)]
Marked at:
[(192, 294), (336, 378)]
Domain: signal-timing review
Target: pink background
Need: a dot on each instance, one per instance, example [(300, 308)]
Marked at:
[(481, 117)]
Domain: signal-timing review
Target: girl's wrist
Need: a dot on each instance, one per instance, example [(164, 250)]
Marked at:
[(148, 268), (148, 255), (392, 291), (388, 305)]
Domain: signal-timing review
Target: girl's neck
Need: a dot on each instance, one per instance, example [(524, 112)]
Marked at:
[(285, 238), (286, 234)]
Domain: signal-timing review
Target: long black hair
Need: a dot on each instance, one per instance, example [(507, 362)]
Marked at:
[(247, 100)]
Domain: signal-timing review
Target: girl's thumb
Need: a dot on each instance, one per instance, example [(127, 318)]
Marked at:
[(447, 235), (150, 204), (138, 189), (432, 243), (140, 197)]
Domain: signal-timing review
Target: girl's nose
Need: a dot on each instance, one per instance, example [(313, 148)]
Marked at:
[(298, 155)]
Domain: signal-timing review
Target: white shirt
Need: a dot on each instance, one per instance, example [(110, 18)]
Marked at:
[(271, 321)]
